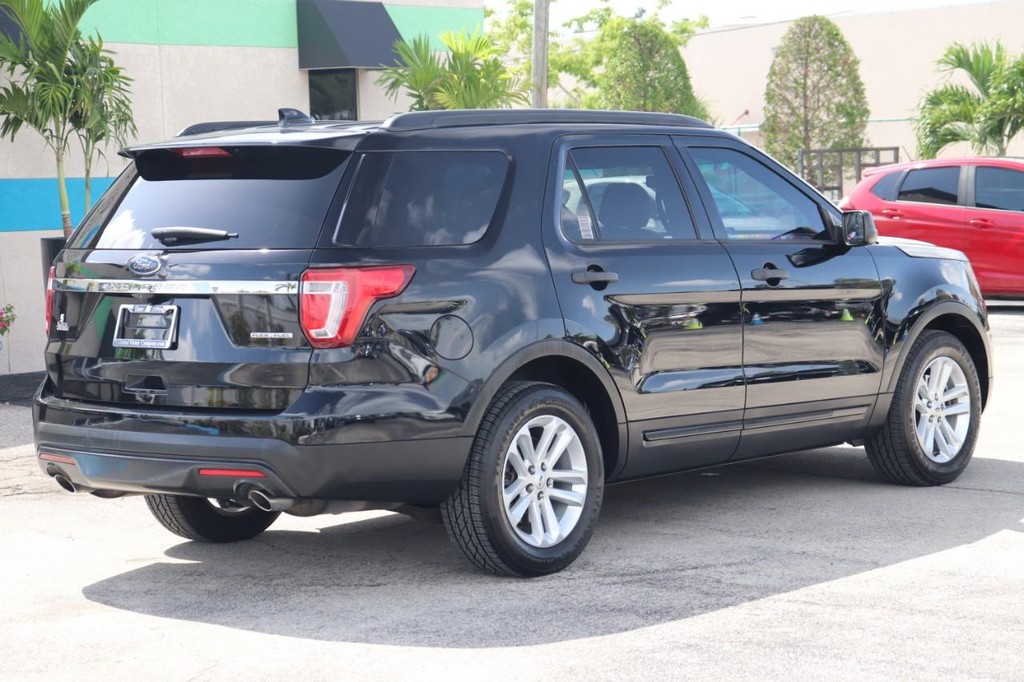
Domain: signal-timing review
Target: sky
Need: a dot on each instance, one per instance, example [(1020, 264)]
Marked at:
[(730, 12)]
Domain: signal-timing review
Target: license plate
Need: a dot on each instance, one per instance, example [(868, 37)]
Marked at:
[(146, 326)]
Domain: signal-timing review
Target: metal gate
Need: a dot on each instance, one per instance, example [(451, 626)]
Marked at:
[(835, 171)]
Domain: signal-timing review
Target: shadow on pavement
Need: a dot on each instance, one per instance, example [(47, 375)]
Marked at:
[(665, 549)]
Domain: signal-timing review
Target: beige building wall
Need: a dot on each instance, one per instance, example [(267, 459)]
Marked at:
[(897, 51)]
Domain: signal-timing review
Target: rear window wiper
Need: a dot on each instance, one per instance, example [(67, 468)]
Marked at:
[(169, 236)]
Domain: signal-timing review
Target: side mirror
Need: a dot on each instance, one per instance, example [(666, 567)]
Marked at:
[(858, 228)]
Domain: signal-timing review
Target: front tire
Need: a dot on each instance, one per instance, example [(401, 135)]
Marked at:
[(929, 435), (531, 491), (196, 518)]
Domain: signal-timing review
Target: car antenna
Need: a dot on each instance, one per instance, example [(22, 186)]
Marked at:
[(290, 117)]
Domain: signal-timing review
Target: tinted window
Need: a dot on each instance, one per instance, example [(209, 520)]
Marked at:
[(999, 188), (270, 197), (885, 188), (429, 198), (622, 193), (931, 185), (332, 94), (755, 202)]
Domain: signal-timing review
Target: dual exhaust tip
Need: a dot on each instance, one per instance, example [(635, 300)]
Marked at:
[(259, 498)]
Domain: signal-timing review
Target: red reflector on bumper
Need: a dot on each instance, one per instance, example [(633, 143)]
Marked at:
[(62, 459), (234, 473)]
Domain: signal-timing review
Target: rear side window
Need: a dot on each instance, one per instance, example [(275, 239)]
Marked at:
[(931, 185), (999, 188), (270, 197), (422, 198), (885, 188), (622, 194)]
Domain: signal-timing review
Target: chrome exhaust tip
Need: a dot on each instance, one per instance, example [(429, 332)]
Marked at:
[(65, 482), (264, 502)]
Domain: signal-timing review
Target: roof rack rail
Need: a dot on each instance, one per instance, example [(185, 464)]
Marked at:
[(455, 118)]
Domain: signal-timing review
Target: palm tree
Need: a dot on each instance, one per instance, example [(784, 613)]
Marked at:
[(980, 114), (103, 109), (470, 75), (59, 85)]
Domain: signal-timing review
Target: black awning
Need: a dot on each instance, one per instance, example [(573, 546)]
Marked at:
[(345, 33)]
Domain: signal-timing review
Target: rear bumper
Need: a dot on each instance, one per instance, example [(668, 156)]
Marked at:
[(100, 449)]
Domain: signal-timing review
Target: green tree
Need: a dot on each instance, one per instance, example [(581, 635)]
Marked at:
[(631, 63), (470, 75), (814, 98), (511, 31), (987, 113), (615, 62), (60, 85)]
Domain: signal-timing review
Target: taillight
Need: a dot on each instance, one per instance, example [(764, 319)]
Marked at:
[(333, 302), (49, 297)]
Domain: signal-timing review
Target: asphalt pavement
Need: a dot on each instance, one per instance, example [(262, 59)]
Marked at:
[(806, 566)]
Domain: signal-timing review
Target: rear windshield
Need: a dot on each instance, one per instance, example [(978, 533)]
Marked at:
[(428, 198), (269, 197)]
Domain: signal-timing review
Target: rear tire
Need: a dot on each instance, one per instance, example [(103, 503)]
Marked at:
[(531, 491), (929, 435), (197, 518)]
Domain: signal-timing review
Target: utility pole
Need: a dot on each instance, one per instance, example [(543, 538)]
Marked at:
[(539, 93)]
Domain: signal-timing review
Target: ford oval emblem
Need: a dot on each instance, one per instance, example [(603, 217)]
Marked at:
[(144, 265)]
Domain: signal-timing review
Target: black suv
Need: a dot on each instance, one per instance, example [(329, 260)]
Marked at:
[(493, 312)]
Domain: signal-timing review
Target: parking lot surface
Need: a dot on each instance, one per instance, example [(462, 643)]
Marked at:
[(795, 567)]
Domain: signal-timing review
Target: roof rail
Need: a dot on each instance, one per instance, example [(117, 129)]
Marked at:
[(417, 120)]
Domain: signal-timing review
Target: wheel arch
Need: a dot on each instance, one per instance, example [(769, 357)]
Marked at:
[(960, 321), (574, 369)]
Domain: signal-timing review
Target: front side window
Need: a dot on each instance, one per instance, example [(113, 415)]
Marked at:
[(422, 198), (622, 194), (931, 185), (755, 202), (999, 188)]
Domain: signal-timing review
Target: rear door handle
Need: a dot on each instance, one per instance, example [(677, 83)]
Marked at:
[(594, 277), (892, 213), (768, 273), (982, 223)]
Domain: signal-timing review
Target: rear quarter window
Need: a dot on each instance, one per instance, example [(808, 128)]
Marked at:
[(422, 198), (270, 197), (885, 187)]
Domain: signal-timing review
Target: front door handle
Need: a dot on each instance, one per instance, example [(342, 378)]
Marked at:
[(595, 276), (769, 273), (982, 223)]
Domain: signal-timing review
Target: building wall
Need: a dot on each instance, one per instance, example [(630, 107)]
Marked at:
[(897, 51), (190, 61)]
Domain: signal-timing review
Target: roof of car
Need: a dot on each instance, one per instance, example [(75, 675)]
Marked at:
[(309, 132), (1001, 161)]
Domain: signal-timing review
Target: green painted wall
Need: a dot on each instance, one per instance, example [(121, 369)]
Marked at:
[(245, 23), (412, 20), (229, 23)]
